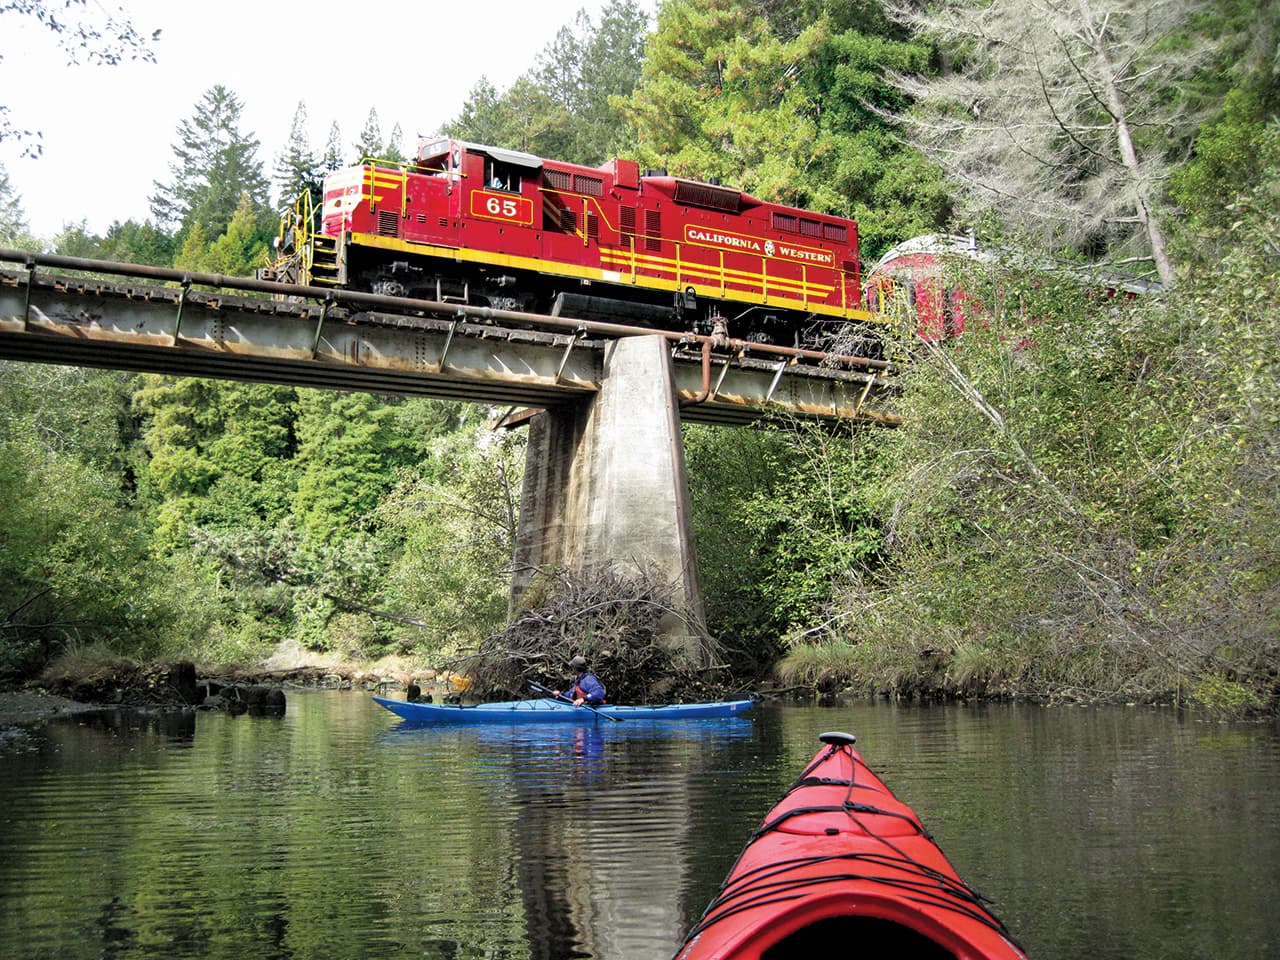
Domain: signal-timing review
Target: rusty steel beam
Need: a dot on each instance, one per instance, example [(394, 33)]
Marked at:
[(310, 336)]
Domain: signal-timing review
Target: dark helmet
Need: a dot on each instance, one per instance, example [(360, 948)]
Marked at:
[(578, 663)]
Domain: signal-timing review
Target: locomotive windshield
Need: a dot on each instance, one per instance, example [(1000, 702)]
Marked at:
[(439, 157), (436, 149)]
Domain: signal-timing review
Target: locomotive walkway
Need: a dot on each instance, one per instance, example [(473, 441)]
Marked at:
[(605, 478)]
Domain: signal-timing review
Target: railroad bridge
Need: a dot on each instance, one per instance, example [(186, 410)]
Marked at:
[(605, 479)]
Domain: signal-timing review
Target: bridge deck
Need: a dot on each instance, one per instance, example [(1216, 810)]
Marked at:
[(257, 330)]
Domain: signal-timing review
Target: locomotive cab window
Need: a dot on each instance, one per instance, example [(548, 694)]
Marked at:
[(438, 158), (501, 176), (436, 166)]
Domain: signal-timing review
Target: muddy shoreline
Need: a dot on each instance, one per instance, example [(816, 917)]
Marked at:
[(156, 687), (24, 707)]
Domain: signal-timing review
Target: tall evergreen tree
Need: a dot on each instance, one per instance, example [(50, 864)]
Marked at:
[(777, 98), (611, 63), (564, 107), (75, 240), (205, 438), (534, 121), (393, 149), (253, 448), (192, 249), (331, 159), (214, 164), (481, 119), (370, 142), (558, 68), (297, 168), (133, 242), (236, 253), (347, 457)]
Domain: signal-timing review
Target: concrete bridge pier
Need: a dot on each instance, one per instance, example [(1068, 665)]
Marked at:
[(605, 488)]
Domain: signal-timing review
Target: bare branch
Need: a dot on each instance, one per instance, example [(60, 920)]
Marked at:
[(1054, 117)]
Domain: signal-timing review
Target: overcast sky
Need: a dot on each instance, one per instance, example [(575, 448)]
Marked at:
[(109, 131)]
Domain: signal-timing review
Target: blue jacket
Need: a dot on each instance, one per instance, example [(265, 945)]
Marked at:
[(588, 686)]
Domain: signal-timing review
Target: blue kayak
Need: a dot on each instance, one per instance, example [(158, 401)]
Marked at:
[(557, 711)]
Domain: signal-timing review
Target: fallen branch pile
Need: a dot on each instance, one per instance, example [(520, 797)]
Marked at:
[(616, 622)]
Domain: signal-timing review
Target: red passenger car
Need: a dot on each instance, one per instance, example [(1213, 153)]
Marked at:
[(916, 271), (486, 226)]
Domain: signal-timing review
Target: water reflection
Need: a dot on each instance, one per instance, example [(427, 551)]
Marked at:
[(177, 726), (600, 822), (335, 832)]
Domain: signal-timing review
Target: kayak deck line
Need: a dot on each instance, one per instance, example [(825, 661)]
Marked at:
[(825, 871)]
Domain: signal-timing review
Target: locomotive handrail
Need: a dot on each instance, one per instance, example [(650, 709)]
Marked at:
[(374, 163), (329, 296), (297, 225)]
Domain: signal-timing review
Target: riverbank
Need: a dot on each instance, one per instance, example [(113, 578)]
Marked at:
[(84, 683)]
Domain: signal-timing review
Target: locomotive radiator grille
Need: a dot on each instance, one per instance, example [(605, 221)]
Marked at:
[(388, 223), (652, 230)]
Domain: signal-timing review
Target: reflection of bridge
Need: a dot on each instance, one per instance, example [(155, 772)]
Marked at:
[(606, 476)]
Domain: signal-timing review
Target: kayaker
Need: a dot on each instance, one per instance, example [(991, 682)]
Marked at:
[(586, 687)]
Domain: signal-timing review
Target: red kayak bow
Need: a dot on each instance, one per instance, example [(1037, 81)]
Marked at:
[(841, 867)]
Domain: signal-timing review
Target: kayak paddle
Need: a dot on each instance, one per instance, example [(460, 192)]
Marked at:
[(560, 696)]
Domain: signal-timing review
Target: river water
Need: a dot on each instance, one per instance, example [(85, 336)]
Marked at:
[(335, 833)]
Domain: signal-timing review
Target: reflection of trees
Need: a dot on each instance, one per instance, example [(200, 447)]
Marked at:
[(220, 836), (324, 834)]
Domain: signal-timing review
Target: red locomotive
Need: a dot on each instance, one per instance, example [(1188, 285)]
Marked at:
[(486, 226)]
